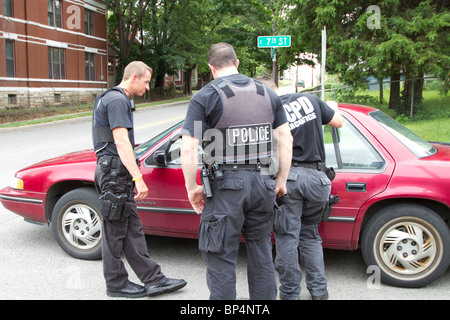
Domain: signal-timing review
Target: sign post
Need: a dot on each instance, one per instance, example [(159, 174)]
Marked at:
[(274, 42)]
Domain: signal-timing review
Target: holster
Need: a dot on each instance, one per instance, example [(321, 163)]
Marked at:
[(329, 207), (117, 205), (114, 201), (321, 215), (331, 174)]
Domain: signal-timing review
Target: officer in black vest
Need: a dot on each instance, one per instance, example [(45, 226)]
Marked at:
[(116, 177), (239, 121)]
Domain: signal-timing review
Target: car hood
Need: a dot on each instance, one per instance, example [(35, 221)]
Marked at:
[(79, 157)]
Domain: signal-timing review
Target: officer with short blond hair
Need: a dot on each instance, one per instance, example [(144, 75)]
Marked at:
[(116, 177)]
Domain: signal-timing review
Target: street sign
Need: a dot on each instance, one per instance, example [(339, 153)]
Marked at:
[(274, 41)]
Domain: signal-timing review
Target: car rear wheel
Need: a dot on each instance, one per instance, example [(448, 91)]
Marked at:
[(409, 243), (76, 224)]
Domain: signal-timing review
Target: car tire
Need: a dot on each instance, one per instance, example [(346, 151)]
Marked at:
[(410, 244), (77, 224)]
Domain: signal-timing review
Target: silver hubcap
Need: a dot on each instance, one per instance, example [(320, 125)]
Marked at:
[(81, 227), (409, 248)]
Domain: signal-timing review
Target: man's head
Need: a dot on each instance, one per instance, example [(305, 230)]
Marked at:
[(222, 59), (136, 78), (268, 81)]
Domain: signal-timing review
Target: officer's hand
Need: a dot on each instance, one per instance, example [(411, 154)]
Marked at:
[(197, 199), (280, 190), (141, 189)]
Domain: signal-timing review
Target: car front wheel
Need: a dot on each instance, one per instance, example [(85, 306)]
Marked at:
[(409, 243), (76, 224)]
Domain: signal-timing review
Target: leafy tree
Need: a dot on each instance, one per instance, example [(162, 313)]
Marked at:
[(411, 38), (174, 35), (125, 19), (242, 21)]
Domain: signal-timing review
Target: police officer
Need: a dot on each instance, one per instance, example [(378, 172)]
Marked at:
[(309, 191), (116, 177), (238, 120)]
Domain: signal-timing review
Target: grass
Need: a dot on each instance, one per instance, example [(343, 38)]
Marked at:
[(432, 123), (431, 130)]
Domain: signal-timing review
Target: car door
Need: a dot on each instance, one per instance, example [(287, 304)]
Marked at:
[(363, 169), (166, 210)]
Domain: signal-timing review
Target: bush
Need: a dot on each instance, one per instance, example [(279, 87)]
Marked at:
[(351, 95)]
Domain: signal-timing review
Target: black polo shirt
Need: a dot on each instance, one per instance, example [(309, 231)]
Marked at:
[(114, 111), (306, 114)]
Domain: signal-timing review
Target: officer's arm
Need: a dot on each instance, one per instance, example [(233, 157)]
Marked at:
[(189, 164), (126, 154), (338, 120), (284, 153)]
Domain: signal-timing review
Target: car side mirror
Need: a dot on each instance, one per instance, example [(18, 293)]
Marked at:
[(159, 158)]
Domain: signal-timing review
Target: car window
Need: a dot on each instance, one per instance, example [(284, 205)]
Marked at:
[(412, 141), (349, 149), (174, 153), (144, 147)]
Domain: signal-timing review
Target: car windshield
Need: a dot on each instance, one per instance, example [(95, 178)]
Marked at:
[(412, 141), (144, 147)]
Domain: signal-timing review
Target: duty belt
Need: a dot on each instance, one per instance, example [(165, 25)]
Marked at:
[(319, 166)]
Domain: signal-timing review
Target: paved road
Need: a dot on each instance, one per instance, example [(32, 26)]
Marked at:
[(32, 266)]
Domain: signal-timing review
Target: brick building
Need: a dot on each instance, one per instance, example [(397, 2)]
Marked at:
[(52, 52)]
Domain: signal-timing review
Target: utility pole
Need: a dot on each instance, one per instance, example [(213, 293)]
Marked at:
[(274, 50)]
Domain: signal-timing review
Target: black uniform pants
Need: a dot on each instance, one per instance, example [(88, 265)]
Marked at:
[(123, 235), (242, 203)]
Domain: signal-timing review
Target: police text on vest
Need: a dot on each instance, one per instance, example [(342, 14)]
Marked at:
[(250, 134)]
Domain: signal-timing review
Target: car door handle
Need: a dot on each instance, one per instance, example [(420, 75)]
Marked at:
[(355, 186)]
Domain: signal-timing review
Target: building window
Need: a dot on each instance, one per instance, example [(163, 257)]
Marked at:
[(10, 70), (89, 66), (88, 22), (56, 63), (12, 99), (54, 13), (8, 8), (57, 97)]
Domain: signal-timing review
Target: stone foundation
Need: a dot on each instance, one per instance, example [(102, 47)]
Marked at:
[(43, 97)]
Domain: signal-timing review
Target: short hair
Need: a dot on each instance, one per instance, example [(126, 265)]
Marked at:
[(222, 55), (268, 81), (138, 68)]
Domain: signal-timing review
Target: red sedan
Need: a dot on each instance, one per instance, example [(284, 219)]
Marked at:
[(394, 191)]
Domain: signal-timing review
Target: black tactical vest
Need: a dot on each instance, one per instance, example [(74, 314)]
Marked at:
[(244, 132), (101, 132)]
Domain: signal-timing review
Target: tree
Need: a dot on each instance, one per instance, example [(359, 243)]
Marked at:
[(174, 35), (410, 39), (241, 22), (127, 16)]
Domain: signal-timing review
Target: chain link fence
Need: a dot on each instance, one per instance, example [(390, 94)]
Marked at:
[(410, 101)]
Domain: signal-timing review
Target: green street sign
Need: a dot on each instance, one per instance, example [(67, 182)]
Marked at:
[(274, 41)]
